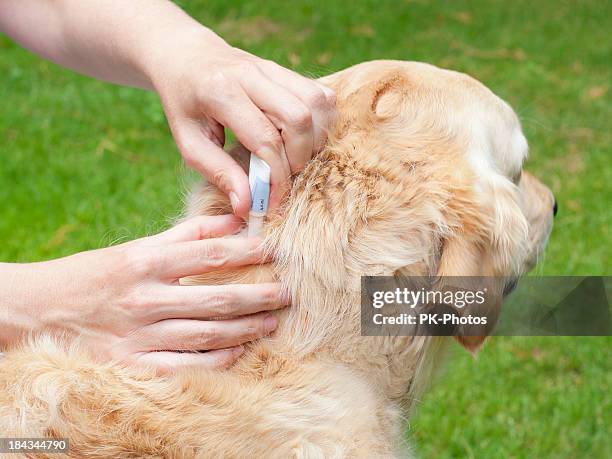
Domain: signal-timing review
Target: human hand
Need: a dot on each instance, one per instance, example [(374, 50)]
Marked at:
[(206, 85), (126, 303)]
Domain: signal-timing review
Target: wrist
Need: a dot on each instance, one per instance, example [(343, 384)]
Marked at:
[(46, 296), (168, 56)]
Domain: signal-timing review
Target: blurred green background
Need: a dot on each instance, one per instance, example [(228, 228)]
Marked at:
[(84, 164)]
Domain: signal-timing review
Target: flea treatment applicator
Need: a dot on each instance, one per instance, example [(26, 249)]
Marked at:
[(259, 181)]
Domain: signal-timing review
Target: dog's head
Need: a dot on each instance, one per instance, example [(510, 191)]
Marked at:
[(408, 116), (422, 175)]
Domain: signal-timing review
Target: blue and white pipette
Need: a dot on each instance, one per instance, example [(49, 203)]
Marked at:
[(259, 181)]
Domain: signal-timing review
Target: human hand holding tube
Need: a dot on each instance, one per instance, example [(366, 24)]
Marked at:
[(278, 115), (205, 84)]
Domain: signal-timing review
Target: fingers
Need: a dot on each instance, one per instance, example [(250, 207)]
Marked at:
[(290, 116), (196, 257), (202, 227), (319, 100), (278, 115), (167, 362), (233, 108), (198, 335), (215, 301), (207, 157)]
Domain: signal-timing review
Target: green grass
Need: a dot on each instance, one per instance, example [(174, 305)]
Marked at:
[(84, 164)]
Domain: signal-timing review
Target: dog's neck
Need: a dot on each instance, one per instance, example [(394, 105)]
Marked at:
[(323, 243)]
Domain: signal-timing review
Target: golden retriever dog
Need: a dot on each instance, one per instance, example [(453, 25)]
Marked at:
[(421, 175)]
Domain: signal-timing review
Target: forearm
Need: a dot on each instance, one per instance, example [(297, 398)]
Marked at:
[(44, 296), (121, 41), (56, 295), (17, 317)]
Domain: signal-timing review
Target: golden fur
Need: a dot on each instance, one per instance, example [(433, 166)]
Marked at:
[(421, 175)]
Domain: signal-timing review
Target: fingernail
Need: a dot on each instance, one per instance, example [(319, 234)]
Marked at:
[(234, 200), (270, 323), (285, 297)]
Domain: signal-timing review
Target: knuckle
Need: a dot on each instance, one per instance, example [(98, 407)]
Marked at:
[(220, 178), (138, 261), (316, 99), (216, 255), (136, 302), (217, 81), (300, 119), (270, 141), (245, 67), (217, 88), (210, 338), (222, 303), (270, 296)]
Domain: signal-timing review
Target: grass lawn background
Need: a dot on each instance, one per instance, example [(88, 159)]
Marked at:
[(84, 164)]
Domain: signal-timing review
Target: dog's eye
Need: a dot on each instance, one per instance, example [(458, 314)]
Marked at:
[(517, 177)]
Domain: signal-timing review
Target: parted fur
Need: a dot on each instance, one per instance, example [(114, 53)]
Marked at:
[(421, 175)]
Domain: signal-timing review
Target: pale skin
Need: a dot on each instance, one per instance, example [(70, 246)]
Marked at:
[(127, 301)]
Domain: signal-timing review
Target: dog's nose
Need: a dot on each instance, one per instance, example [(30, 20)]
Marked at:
[(555, 208)]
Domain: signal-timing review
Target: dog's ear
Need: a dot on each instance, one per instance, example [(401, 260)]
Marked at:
[(465, 266), (485, 254)]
